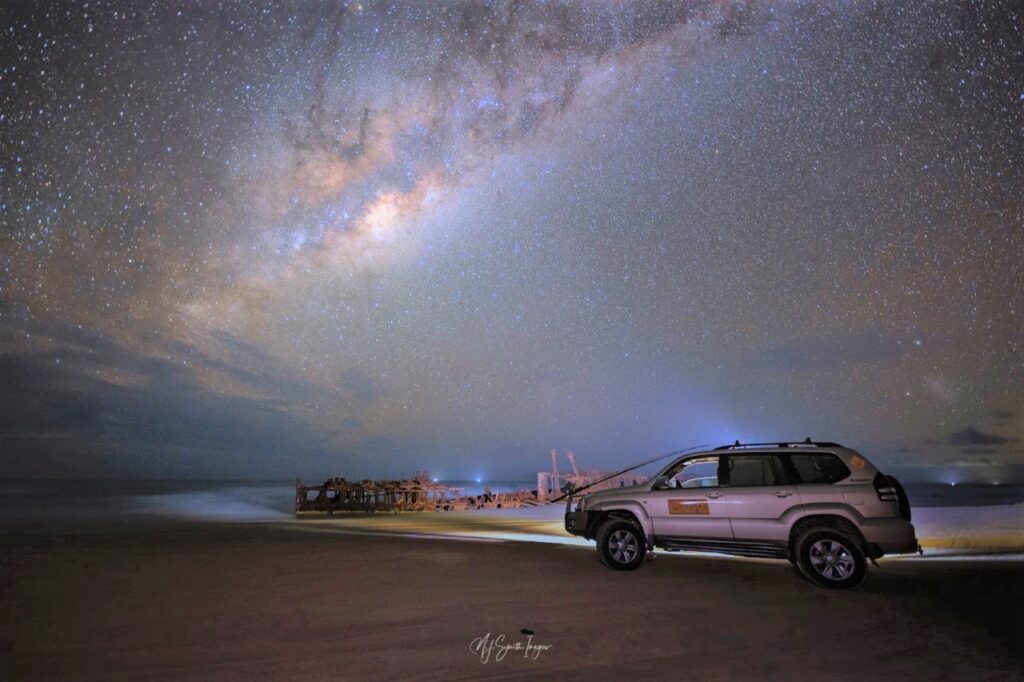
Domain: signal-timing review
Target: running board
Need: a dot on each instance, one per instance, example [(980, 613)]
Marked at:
[(765, 550)]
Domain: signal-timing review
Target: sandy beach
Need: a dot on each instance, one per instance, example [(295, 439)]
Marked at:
[(275, 601)]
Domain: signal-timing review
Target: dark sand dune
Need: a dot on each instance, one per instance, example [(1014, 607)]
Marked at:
[(257, 601)]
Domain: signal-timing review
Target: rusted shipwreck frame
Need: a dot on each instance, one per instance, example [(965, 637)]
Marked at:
[(338, 495)]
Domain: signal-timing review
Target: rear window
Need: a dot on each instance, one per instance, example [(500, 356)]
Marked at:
[(819, 468)]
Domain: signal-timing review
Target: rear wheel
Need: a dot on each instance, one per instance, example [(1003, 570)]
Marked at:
[(621, 545), (830, 558)]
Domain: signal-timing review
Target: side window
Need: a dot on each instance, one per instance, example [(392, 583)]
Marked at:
[(746, 470), (819, 468), (701, 472)]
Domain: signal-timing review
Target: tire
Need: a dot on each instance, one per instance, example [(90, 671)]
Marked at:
[(831, 558), (621, 545)]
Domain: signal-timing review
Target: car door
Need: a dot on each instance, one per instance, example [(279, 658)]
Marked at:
[(689, 503), (759, 495)]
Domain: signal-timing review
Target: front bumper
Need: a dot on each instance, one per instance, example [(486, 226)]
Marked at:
[(577, 522)]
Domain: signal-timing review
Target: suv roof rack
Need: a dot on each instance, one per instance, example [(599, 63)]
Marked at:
[(789, 444)]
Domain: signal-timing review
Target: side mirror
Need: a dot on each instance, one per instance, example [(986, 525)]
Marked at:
[(660, 483)]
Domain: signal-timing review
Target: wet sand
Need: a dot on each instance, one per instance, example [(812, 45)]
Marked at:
[(268, 601)]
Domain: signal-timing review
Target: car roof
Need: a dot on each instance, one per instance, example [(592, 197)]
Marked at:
[(779, 445), (861, 469), (783, 448)]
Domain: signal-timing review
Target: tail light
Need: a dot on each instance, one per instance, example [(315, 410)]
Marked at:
[(890, 490), (885, 489)]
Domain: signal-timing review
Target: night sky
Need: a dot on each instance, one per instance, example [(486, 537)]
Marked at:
[(245, 240)]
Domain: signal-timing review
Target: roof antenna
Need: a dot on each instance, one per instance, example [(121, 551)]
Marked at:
[(807, 441), (736, 444)]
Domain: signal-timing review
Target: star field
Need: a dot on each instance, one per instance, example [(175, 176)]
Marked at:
[(364, 238)]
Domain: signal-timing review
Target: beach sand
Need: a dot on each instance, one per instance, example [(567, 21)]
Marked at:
[(287, 601)]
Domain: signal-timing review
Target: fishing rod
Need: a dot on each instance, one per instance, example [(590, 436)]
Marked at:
[(674, 453)]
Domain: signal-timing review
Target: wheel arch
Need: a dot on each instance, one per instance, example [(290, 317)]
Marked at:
[(830, 519), (627, 512)]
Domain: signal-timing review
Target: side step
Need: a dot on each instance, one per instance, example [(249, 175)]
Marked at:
[(765, 550)]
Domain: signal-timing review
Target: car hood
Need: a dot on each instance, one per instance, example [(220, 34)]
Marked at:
[(613, 493)]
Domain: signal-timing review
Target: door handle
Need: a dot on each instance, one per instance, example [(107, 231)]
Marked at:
[(783, 493), (713, 496)]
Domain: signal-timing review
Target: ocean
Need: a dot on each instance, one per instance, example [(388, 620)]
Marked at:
[(244, 500)]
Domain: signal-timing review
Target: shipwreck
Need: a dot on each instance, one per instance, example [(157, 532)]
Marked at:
[(422, 493)]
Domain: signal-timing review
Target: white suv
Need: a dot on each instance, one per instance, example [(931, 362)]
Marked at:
[(824, 507)]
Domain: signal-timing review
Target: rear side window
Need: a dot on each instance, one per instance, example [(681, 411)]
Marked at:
[(746, 470), (819, 468)]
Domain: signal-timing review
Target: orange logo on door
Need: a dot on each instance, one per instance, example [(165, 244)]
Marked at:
[(684, 507)]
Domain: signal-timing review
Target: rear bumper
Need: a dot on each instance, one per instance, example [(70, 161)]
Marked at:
[(577, 522), (890, 536)]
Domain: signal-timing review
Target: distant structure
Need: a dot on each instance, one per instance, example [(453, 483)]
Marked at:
[(422, 493), (551, 484), (339, 495)]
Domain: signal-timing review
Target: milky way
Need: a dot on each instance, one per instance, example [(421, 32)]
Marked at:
[(361, 239)]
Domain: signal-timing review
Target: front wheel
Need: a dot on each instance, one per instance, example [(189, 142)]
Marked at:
[(621, 545), (830, 558)]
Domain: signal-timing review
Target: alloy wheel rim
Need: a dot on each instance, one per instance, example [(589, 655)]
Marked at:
[(624, 546), (832, 560)]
